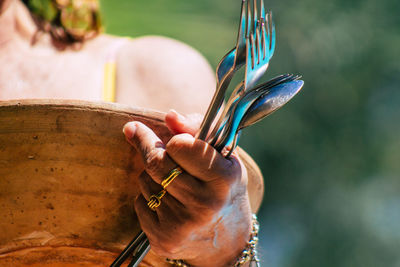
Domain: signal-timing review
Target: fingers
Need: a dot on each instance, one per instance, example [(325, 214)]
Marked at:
[(201, 160), (156, 161), (147, 218), (147, 186), (196, 157), (183, 124), (196, 201), (158, 165), (143, 138), (165, 226), (186, 189)]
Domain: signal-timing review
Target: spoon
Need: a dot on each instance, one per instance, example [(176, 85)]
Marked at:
[(238, 93), (270, 101)]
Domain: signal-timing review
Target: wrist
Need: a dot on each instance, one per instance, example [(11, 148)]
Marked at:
[(247, 256)]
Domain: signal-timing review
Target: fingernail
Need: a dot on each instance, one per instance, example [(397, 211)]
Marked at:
[(129, 129)]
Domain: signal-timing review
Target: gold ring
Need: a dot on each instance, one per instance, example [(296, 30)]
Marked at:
[(171, 176), (155, 200)]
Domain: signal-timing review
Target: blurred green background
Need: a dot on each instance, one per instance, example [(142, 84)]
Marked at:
[(331, 157)]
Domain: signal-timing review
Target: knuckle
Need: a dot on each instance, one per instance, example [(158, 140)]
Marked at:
[(154, 161), (232, 170), (177, 144), (230, 175)]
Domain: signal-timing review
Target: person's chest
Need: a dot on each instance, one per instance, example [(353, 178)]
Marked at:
[(41, 74)]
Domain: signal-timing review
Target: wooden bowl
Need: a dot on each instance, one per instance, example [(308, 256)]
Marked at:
[(68, 180)]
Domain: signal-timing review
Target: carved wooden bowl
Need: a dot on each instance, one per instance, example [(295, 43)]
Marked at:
[(68, 182)]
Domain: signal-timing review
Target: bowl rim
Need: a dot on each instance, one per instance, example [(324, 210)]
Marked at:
[(84, 104)]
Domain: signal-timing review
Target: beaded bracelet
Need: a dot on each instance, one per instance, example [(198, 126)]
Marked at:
[(249, 254)]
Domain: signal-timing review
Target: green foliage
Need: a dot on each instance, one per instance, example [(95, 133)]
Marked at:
[(331, 156)]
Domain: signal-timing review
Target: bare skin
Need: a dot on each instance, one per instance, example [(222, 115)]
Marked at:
[(158, 73), (174, 75), (4, 5), (205, 216)]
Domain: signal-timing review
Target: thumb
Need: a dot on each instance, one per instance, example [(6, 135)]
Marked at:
[(178, 123)]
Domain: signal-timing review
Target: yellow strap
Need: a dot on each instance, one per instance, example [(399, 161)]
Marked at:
[(109, 81)]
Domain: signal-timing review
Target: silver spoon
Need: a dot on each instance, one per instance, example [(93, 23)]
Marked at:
[(239, 92), (274, 99), (267, 103)]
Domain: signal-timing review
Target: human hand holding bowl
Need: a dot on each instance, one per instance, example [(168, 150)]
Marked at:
[(205, 216)]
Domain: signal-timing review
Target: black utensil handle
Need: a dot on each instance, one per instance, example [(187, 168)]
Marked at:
[(139, 255), (139, 239)]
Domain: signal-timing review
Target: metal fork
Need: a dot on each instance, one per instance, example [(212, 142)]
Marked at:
[(260, 46), (259, 50), (227, 67)]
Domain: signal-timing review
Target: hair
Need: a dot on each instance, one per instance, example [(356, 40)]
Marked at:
[(69, 22)]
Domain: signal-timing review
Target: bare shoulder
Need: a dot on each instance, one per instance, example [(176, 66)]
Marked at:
[(165, 48), (162, 73)]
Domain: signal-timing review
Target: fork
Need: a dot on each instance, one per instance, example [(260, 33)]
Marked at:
[(259, 50), (227, 67)]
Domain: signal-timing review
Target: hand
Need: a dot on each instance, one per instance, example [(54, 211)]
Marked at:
[(205, 217)]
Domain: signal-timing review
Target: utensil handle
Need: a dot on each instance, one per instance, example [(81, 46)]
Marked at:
[(136, 244), (139, 255), (214, 107), (209, 117)]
